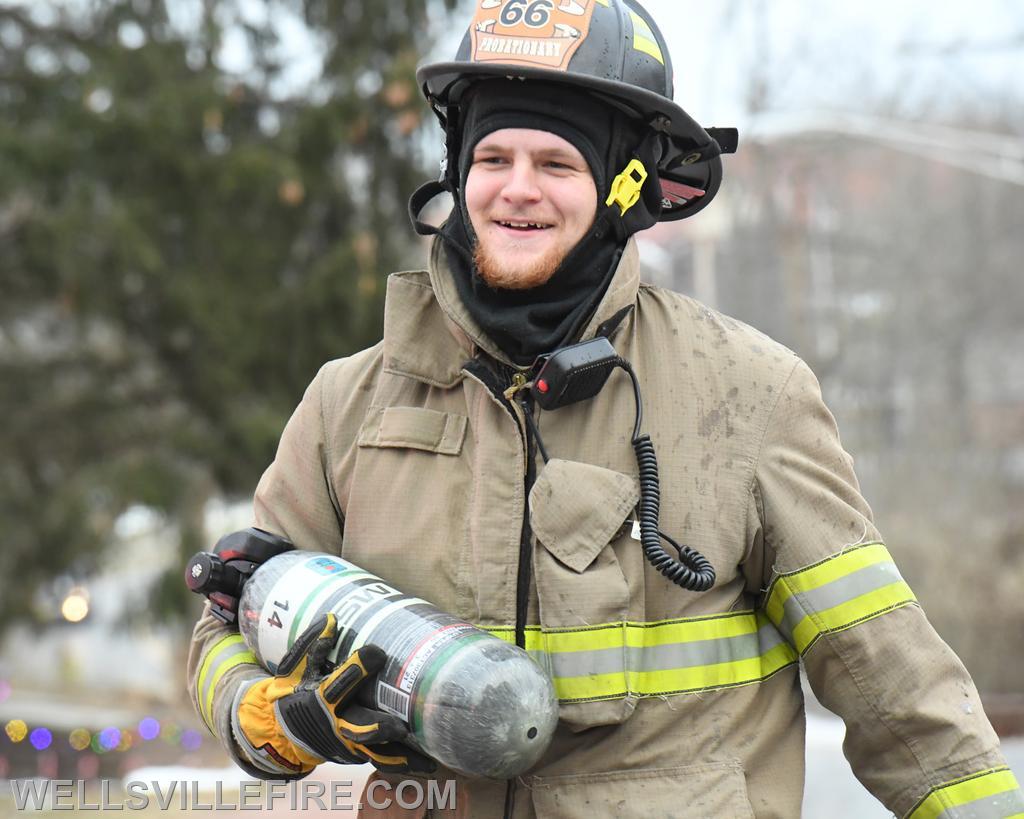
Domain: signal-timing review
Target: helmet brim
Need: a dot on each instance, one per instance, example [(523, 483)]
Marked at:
[(437, 79)]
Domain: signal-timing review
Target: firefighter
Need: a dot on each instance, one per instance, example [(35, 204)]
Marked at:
[(418, 460)]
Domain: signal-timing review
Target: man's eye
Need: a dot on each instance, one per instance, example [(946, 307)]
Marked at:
[(491, 160)]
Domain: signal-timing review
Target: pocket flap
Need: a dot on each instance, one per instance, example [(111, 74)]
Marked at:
[(414, 428), (576, 508)]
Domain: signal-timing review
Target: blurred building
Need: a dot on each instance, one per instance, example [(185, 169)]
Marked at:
[(116, 647), (886, 255)]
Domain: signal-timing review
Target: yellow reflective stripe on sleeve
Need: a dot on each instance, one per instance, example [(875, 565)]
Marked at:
[(837, 566), (644, 40), (991, 794), (615, 660), (836, 594), (227, 653)]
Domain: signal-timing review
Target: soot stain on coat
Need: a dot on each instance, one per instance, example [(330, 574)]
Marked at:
[(716, 421), (709, 422)]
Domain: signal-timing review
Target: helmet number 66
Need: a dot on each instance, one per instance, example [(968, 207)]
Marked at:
[(535, 14)]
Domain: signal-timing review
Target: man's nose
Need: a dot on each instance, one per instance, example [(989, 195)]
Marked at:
[(521, 184)]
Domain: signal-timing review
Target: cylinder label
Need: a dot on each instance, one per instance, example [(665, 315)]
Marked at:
[(393, 701), (425, 650)]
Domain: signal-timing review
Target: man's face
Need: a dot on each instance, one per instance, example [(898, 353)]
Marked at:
[(531, 198)]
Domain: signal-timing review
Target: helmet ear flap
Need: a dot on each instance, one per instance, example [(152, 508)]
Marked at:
[(450, 163), (688, 189), (449, 176), (450, 115), (691, 175)]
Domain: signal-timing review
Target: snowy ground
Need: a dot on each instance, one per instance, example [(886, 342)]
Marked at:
[(832, 792)]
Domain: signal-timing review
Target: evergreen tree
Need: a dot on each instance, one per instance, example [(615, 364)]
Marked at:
[(181, 247)]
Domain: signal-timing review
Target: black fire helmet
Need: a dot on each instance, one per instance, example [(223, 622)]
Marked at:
[(609, 49)]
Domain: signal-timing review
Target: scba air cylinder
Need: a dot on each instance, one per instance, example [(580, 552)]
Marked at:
[(472, 702)]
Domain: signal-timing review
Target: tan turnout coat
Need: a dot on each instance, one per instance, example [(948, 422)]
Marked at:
[(673, 704)]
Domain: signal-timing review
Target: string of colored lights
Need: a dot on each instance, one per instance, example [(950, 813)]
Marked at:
[(107, 740)]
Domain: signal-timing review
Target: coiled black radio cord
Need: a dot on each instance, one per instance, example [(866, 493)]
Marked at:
[(692, 570)]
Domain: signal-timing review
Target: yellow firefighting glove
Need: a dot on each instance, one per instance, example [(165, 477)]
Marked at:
[(290, 723)]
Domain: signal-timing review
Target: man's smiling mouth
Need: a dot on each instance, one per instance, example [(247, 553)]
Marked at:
[(522, 225)]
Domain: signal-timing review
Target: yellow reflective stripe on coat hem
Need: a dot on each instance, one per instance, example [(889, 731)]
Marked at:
[(644, 684), (836, 594), (991, 794), (636, 659), (226, 654)]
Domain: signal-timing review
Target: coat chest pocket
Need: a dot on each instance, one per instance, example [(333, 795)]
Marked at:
[(576, 511), (407, 508), (713, 790)]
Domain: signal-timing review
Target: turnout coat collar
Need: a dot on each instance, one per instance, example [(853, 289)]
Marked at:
[(431, 344)]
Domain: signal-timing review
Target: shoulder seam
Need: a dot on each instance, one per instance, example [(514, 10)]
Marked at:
[(768, 423), (328, 454)]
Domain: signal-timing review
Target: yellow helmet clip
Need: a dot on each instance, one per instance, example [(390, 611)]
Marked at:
[(626, 186)]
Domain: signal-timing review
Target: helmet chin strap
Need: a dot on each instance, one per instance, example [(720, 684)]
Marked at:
[(419, 200), (421, 197)]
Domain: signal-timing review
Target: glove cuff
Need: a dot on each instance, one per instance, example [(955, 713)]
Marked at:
[(262, 738)]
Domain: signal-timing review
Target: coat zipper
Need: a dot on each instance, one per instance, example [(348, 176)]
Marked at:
[(516, 381), (525, 544), (519, 380), (525, 563)]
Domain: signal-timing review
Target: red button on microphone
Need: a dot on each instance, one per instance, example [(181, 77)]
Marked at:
[(542, 385)]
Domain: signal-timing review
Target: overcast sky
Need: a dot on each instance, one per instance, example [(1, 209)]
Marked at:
[(832, 54), (811, 54)]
